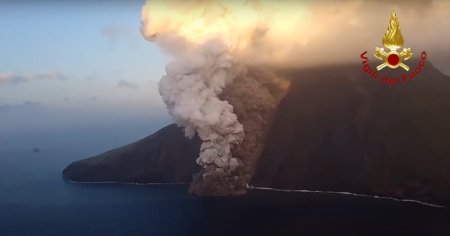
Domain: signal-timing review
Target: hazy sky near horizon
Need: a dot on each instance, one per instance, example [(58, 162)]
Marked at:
[(76, 64), (76, 55), (77, 72)]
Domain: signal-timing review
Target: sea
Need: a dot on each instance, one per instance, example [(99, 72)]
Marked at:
[(35, 200)]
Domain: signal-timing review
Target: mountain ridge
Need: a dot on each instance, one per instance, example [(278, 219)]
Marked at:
[(337, 129)]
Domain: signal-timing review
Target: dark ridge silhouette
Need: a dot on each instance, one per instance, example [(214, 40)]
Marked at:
[(163, 157)]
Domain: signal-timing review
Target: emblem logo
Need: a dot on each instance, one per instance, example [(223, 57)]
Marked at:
[(393, 40), (393, 56)]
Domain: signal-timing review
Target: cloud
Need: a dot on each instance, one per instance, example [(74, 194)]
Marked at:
[(116, 32), (297, 33), (91, 77), (14, 79), (25, 106), (126, 84)]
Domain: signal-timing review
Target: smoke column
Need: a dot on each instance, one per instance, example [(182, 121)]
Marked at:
[(191, 90), (222, 85), (206, 61)]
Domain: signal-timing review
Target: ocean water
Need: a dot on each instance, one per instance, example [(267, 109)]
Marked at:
[(35, 200)]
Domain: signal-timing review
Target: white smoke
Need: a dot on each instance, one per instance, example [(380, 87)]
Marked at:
[(302, 33), (191, 88), (194, 89)]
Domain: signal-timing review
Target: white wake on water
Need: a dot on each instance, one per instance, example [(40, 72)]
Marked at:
[(345, 193), (280, 190)]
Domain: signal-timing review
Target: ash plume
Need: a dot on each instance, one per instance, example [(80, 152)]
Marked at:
[(210, 91), (222, 85), (191, 89)]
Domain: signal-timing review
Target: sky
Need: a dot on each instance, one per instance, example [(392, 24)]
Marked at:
[(84, 63), (72, 56)]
